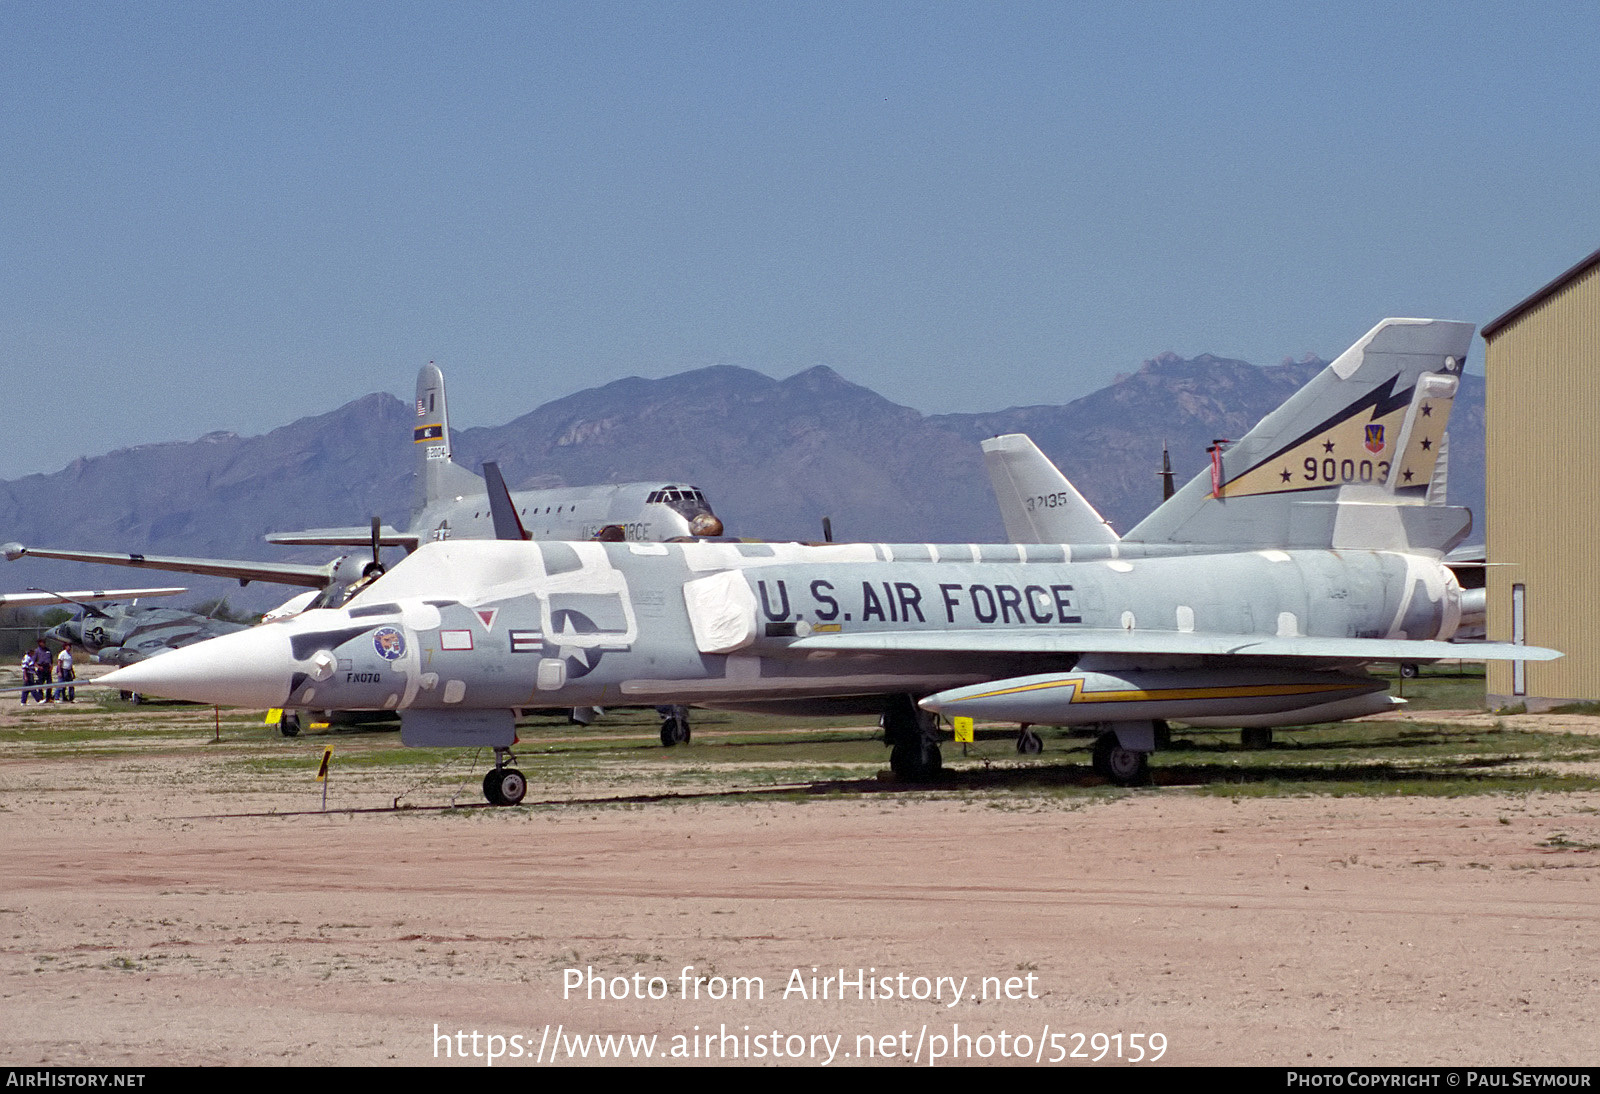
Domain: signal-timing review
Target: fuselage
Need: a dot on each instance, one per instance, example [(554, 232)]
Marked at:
[(642, 511), (464, 625), (126, 635)]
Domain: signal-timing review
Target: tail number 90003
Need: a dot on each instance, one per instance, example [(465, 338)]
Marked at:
[(1329, 469)]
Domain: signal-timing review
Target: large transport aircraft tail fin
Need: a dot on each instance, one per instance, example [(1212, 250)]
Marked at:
[(1037, 502), (439, 479), (1345, 462)]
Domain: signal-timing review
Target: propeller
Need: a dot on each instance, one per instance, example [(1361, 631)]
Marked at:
[(347, 572), (376, 565)]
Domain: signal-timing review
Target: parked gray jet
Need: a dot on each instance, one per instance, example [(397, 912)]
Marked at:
[(453, 503), (124, 634), (1258, 591)]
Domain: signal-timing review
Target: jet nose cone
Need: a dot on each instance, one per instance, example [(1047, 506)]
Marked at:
[(250, 668), (705, 524)]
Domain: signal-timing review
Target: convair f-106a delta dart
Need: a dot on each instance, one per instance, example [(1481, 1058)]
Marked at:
[(1254, 596)]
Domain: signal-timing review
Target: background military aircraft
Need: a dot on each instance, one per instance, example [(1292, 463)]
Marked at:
[(125, 634), (38, 598), (1257, 593), (68, 634), (1037, 502), (453, 503)]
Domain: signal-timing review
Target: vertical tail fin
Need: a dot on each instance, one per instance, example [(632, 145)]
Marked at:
[(438, 478), (507, 525), (1345, 462), (1037, 502)]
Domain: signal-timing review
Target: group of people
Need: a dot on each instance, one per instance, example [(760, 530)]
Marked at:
[(38, 667)]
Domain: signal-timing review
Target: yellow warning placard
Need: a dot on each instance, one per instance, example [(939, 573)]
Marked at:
[(963, 728), (327, 762), (274, 716)]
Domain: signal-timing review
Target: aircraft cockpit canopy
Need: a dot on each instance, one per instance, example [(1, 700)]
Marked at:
[(679, 494)]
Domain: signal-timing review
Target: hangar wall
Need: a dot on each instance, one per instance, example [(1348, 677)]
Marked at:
[(1543, 495)]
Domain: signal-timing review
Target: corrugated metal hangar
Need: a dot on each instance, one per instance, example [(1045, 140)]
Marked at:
[(1543, 498)]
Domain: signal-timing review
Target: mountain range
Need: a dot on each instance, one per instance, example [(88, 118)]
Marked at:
[(773, 456)]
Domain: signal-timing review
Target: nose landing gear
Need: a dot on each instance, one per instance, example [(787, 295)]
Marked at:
[(504, 785)]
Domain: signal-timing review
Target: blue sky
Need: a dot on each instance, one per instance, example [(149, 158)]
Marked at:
[(227, 216)]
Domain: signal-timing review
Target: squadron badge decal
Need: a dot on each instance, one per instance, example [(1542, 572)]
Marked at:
[(390, 644)]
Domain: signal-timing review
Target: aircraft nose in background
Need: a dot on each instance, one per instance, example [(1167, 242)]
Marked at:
[(705, 523), (251, 668)]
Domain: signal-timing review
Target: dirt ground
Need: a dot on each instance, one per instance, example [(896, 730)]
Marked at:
[(140, 927)]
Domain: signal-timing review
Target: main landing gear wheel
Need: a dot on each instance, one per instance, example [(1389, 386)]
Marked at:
[(916, 761), (1255, 737), (912, 735), (504, 786), (1123, 766), (289, 724), (1408, 670), (1028, 742), (674, 730)]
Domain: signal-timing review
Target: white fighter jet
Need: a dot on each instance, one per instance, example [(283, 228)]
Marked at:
[(1255, 595)]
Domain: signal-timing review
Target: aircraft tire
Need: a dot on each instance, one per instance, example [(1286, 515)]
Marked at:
[(505, 786), (1255, 737), (289, 724), (916, 761), (1119, 765), (1408, 670), (674, 731), (513, 786), (1029, 743)]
